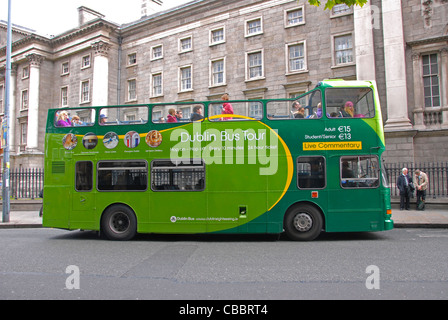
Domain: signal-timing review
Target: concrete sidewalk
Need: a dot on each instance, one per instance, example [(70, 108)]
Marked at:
[(430, 218)]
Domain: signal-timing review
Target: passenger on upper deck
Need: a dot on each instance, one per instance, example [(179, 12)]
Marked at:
[(347, 111), (226, 107), (63, 120)]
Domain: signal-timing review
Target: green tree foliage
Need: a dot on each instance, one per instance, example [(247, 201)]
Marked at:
[(330, 3)]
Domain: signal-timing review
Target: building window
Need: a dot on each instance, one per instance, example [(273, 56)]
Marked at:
[(218, 72), (343, 49), (85, 91), (294, 17), (132, 90), (254, 27), (132, 59), (25, 72), (157, 84), (185, 44), (217, 36), (24, 102), (255, 110), (431, 80), (65, 69), (157, 52), (23, 133), (64, 96), (254, 62), (340, 9), (296, 57), (85, 63), (186, 81)]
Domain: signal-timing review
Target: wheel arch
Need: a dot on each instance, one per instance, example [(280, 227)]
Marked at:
[(307, 203)]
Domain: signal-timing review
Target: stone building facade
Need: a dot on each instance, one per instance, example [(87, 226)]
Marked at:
[(249, 49)]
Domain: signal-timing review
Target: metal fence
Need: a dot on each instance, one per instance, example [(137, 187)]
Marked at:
[(437, 175), (25, 183)]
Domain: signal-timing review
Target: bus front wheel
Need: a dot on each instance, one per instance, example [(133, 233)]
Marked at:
[(119, 223), (303, 223)]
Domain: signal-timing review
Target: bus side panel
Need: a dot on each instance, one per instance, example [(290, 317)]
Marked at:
[(56, 210), (178, 212)]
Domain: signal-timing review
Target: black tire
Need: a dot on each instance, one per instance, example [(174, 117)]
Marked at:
[(303, 223), (119, 223)]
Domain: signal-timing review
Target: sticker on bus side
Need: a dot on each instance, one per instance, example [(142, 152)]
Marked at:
[(352, 145)]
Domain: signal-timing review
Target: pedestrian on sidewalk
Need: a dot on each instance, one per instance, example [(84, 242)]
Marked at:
[(403, 184), (421, 184)]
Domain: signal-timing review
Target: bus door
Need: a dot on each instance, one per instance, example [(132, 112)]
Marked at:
[(83, 197), (355, 205)]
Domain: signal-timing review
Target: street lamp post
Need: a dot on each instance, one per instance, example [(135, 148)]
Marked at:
[(6, 122)]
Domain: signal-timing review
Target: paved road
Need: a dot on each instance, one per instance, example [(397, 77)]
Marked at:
[(43, 264)]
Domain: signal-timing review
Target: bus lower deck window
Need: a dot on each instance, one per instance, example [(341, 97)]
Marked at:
[(131, 175), (311, 172), (83, 176), (178, 175)]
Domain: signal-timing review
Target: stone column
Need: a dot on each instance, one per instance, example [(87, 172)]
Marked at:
[(100, 91), (395, 66), (365, 53), (33, 104)]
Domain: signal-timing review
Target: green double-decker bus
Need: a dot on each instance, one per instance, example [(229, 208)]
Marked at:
[(300, 166)]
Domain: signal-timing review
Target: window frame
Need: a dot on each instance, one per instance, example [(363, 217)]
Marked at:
[(248, 67), (81, 92), (288, 57), (213, 73), (287, 21), (177, 164), (358, 180), (76, 176), (181, 79), (430, 76), (212, 42), (322, 158), (86, 61), (153, 48), (247, 32), (120, 168), (181, 49), (334, 58)]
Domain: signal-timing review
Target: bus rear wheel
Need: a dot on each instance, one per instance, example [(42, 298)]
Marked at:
[(303, 223), (119, 223)]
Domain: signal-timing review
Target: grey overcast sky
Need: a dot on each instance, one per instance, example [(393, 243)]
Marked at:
[(53, 17)]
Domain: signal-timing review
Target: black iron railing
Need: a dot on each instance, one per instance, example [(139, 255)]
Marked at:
[(28, 183), (437, 173), (25, 183)]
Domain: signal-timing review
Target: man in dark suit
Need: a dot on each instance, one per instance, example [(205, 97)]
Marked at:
[(403, 182)]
